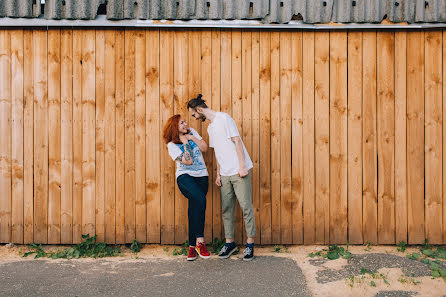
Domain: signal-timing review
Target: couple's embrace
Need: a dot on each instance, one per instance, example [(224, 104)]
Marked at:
[(186, 146)]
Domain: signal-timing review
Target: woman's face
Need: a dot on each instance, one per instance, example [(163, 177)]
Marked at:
[(182, 127)]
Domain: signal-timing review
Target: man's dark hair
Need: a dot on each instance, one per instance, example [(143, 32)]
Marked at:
[(196, 102)]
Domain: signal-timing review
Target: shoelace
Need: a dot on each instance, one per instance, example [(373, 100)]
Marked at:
[(247, 251), (224, 249)]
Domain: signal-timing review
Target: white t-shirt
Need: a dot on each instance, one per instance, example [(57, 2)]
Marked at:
[(220, 131), (198, 168)]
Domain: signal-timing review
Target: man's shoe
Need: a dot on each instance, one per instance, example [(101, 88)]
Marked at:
[(248, 253), (202, 250), (192, 254), (227, 250)]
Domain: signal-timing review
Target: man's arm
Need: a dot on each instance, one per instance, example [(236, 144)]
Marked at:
[(242, 172), (218, 178), (202, 145)]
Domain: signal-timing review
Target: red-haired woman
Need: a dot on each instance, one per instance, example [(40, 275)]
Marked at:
[(185, 147)]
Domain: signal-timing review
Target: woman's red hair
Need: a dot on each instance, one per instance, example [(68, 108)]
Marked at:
[(170, 131)]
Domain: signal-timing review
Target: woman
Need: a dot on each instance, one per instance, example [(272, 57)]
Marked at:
[(186, 147)]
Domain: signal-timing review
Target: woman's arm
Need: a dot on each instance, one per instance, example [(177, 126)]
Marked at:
[(186, 157)]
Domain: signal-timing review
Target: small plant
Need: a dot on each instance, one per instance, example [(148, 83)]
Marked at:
[(166, 249), (332, 253), (366, 275), (88, 248), (429, 255), (368, 246), (401, 246), (403, 279), (216, 245), (135, 247), (183, 250), (38, 250), (277, 249)]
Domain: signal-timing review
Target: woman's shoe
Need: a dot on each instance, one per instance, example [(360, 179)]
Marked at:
[(192, 254), (202, 250)]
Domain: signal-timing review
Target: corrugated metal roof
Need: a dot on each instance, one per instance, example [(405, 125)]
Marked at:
[(267, 11)]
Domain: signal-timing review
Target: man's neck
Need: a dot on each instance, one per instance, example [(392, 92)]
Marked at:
[(209, 114)]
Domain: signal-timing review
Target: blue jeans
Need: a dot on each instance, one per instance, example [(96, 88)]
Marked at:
[(195, 190)]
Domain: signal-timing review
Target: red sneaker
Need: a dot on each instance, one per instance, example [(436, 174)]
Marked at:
[(192, 254), (202, 250)]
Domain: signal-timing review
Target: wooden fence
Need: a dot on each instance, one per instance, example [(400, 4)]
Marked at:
[(346, 130)]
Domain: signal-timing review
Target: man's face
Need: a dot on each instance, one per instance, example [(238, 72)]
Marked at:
[(197, 114)]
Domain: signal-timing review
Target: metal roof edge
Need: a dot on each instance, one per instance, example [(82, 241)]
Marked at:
[(102, 21)]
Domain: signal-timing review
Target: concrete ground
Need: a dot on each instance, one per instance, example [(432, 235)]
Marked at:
[(156, 272)]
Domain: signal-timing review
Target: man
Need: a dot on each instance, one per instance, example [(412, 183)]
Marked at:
[(233, 173)]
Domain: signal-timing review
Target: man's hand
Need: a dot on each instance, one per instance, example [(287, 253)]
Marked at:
[(218, 181), (242, 172)]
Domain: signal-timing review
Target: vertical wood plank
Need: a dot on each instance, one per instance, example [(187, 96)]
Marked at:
[(17, 135), (100, 134), (153, 136), (109, 136), (40, 137), (206, 89), (54, 140), (167, 166), (217, 229), (400, 138), (297, 137), (369, 139), (255, 124), (120, 132), (180, 95), (225, 74), (308, 137), (386, 137), (275, 137), (338, 137), (5, 140), (444, 136), (194, 73), (265, 137), (285, 139), (354, 137), (433, 136), (129, 135), (247, 128), (88, 132), (415, 136), (236, 103), (28, 137), (322, 135), (66, 136), (77, 136), (140, 139)]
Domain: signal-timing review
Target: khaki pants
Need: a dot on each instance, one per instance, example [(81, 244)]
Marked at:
[(234, 187)]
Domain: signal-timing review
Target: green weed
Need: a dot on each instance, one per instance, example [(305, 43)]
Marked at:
[(432, 257), (183, 250), (88, 248), (401, 246), (332, 253), (277, 249)]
